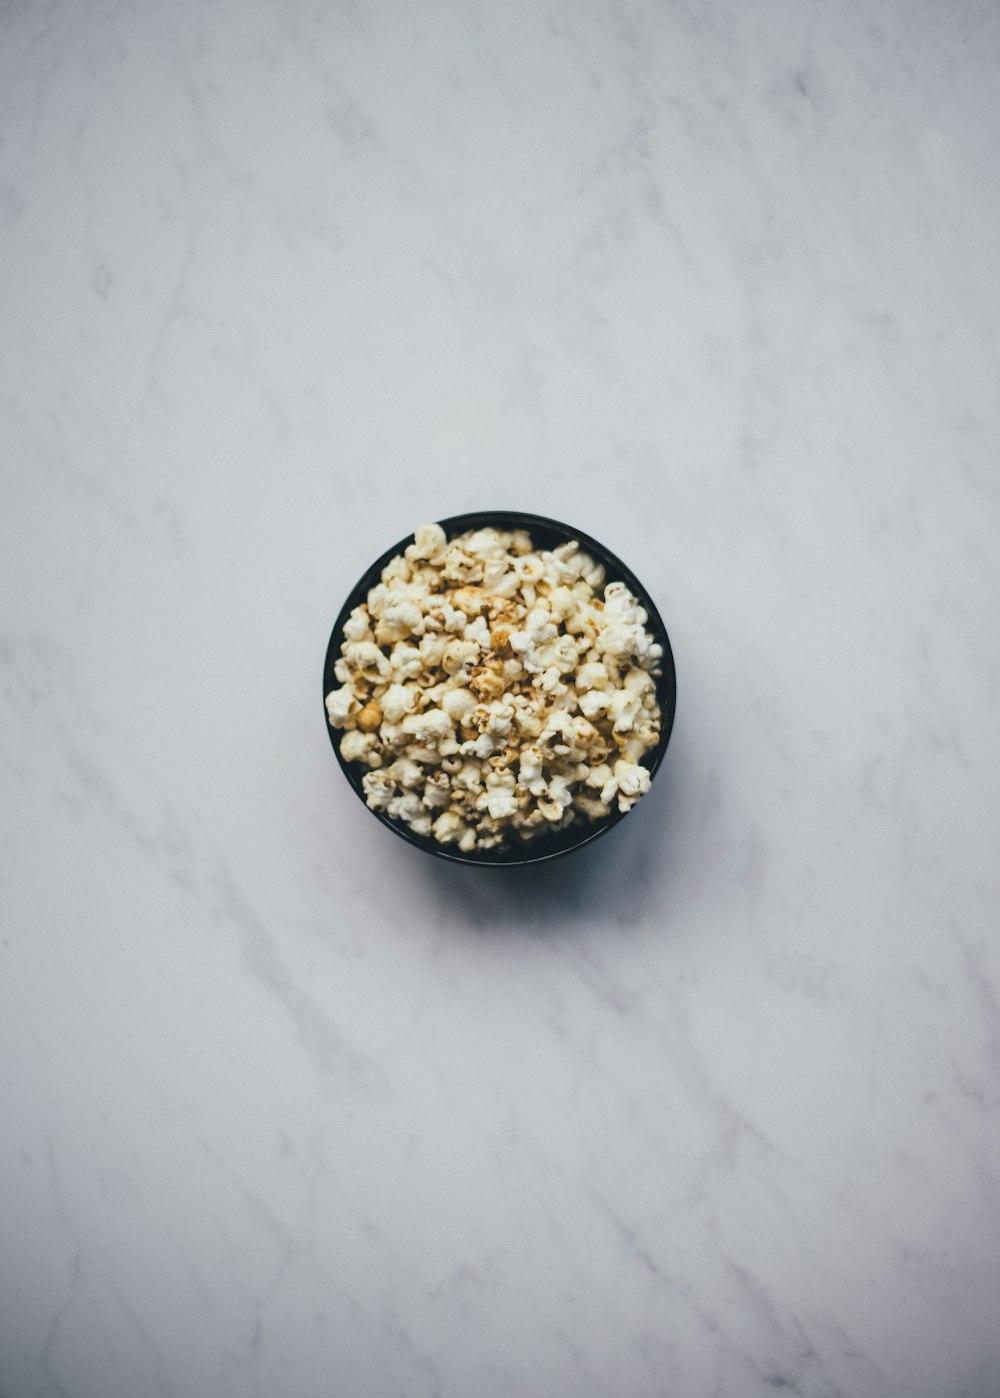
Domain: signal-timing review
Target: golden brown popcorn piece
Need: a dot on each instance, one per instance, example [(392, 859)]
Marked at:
[(487, 680), (370, 716), (504, 618)]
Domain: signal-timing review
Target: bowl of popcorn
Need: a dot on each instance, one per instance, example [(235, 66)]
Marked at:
[(499, 689)]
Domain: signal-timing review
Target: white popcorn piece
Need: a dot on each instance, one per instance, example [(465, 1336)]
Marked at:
[(477, 633), (459, 655), (397, 569), (594, 703), (498, 798), (563, 602), (427, 753), (530, 770), (527, 717), (593, 573), (558, 725), (561, 792), (592, 675), (529, 568), (366, 659), (406, 806), (437, 791), (454, 620), (379, 789), (498, 579), (583, 733), (429, 696), (641, 682), (530, 642), (629, 781), (357, 627), (492, 691), (341, 706), (469, 777), (471, 600), (616, 639), (429, 542), (499, 803), (406, 772), (458, 703), (449, 827), (356, 746), (401, 615), (432, 649), (623, 709), (550, 681), (482, 747), (632, 779), (398, 700), (459, 566), (484, 543), (550, 810), (564, 654), (405, 662), (428, 727)]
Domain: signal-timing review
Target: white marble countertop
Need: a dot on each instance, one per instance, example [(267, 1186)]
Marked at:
[(289, 1108)]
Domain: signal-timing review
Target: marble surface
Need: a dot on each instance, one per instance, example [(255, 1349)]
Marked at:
[(287, 1107)]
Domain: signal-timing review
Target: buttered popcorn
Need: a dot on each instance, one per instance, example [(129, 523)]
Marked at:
[(495, 691)]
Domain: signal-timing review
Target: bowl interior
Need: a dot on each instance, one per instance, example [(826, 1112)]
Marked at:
[(545, 534)]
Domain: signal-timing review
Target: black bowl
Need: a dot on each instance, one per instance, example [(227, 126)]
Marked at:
[(545, 534)]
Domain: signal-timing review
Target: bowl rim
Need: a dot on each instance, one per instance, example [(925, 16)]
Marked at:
[(666, 688)]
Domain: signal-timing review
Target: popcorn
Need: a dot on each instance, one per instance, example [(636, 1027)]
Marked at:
[(427, 727), (448, 827), (629, 780), (341, 705), (364, 659), (356, 746), (532, 760), (432, 649), (379, 789), (594, 703), (459, 654), (370, 716), (592, 675), (458, 703), (401, 617), (494, 691), (623, 708), (405, 662), (398, 700), (487, 681), (357, 626), (437, 791), (405, 771), (497, 580), (428, 542)]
